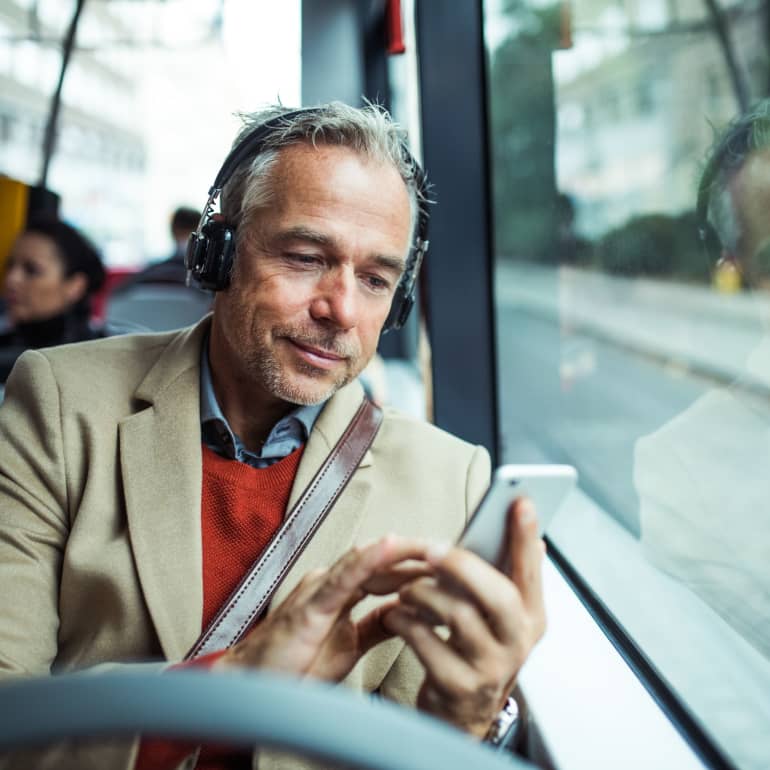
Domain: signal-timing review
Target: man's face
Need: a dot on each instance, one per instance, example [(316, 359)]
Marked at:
[(750, 190), (314, 277)]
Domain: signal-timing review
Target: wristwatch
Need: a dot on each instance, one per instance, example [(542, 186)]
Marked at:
[(503, 729)]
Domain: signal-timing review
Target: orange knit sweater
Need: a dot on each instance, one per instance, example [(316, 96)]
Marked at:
[(241, 508)]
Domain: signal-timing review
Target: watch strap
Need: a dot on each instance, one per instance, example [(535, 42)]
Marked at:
[(504, 727)]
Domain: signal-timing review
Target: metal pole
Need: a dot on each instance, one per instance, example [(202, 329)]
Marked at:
[(49, 140), (721, 29)]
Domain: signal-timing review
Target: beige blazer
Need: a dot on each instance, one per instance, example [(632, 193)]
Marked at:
[(100, 495)]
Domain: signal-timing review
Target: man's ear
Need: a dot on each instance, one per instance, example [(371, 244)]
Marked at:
[(75, 287)]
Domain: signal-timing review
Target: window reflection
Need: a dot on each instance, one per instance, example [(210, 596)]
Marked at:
[(630, 346), (702, 477)]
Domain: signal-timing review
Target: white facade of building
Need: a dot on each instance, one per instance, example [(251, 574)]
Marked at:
[(652, 87)]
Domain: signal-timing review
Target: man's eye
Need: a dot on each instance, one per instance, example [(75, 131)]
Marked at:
[(377, 283), (305, 259)]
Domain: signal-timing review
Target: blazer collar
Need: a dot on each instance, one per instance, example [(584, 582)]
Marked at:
[(160, 459), (329, 426)]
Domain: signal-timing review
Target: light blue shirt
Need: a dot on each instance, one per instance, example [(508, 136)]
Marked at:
[(287, 434)]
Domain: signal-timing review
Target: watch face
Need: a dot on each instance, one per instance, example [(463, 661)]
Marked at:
[(503, 729)]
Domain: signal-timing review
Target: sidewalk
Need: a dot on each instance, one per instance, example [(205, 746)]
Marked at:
[(692, 326)]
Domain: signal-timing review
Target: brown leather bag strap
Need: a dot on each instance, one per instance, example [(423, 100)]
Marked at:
[(250, 598)]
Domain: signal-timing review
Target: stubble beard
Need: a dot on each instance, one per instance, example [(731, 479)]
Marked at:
[(284, 381)]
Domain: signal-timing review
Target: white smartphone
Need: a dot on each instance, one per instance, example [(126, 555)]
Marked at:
[(545, 485)]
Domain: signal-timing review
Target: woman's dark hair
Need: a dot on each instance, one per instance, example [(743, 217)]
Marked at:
[(77, 253)]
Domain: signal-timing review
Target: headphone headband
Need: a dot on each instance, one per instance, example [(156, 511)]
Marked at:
[(211, 248), (251, 144)]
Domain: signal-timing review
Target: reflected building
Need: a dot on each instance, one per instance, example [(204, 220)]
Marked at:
[(633, 84)]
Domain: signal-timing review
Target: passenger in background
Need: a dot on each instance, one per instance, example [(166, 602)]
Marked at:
[(183, 222), (158, 298), (172, 270), (703, 478), (51, 275)]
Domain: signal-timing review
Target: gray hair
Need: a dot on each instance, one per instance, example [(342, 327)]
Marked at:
[(745, 135), (367, 130)]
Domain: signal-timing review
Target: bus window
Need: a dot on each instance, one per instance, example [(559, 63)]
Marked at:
[(630, 156)]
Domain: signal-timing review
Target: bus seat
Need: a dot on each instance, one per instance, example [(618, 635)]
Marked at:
[(157, 307)]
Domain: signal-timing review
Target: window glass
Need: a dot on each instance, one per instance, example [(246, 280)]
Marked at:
[(630, 147)]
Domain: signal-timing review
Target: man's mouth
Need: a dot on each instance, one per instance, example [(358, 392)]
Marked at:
[(319, 357)]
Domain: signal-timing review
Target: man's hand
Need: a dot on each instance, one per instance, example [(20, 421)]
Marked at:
[(493, 623), (311, 632)]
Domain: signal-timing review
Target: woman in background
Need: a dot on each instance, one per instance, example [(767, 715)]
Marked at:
[(51, 275)]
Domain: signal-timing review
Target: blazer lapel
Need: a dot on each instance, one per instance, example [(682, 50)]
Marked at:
[(160, 460), (337, 532)]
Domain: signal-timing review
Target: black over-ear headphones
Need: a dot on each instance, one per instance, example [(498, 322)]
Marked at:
[(211, 248), (708, 237)]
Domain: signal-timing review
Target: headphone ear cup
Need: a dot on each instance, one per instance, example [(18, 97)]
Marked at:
[(210, 255), (223, 254), (396, 316), (710, 242), (399, 308), (406, 291)]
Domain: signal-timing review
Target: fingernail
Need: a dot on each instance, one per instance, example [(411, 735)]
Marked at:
[(437, 551), (383, 543)]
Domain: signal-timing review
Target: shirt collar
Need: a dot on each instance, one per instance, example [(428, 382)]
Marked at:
[(286, 435)]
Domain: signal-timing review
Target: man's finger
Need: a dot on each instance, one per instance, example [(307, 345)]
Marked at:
[(391, 579), (495, 595), (371, 628), (526, 552), (359, 565), (445, 666), (437, 604)]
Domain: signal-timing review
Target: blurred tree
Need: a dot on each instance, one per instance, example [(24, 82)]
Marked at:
[(655, 245), (523, 124)]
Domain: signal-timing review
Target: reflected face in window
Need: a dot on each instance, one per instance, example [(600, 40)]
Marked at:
[(750, 192), (314, 276), (36, 287)]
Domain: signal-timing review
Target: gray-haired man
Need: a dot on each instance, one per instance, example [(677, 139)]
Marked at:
[(126, 520)]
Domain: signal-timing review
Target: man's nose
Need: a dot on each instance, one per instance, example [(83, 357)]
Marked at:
[(336, 299)]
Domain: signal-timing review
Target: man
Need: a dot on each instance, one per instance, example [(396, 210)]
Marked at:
[(120, 461), (702, 478)]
